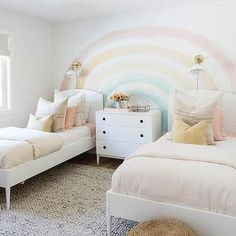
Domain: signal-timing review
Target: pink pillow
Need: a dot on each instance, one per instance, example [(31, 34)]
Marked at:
[(70, 117), (218, 124), (92, 128)]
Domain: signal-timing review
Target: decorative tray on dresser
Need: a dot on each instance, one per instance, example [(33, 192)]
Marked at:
[(121, 133)]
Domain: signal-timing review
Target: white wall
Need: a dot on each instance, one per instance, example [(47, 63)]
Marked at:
[(40, 56), (214, 20), (32, 65), (121, 56)]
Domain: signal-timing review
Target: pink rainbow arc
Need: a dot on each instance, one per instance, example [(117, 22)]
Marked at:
[(153, 31)]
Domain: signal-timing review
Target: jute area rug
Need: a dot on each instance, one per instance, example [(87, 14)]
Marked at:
[(66, 200)]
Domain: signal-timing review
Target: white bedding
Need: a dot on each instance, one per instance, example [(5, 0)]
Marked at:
[(195, 176), (18, 145), (70, 136)]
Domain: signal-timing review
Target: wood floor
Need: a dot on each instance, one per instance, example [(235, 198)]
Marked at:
[(90, 159)]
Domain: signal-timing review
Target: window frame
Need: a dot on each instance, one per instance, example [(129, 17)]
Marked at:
[(8, 95)]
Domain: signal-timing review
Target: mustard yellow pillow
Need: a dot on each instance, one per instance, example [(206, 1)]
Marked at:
[(184, 133), (40, 123)]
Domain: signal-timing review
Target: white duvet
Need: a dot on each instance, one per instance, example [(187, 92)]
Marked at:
[(18, 145), (195, 176)]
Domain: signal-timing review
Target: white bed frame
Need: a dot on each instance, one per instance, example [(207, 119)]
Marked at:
[(204, 223), (18, 174)]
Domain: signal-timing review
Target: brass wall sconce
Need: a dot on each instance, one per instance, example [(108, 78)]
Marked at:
[(197, 69), (73, 73), (75, 66)]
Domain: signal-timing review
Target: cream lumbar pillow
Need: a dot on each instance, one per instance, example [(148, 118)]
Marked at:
[(57, 109), (74, 100), (40, 123), (184, 133), (192, 109)]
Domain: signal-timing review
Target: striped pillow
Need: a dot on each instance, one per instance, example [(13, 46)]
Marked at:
[(74, 100), (57, 109)]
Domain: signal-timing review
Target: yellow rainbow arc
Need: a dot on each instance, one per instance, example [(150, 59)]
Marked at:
[(111, 54)]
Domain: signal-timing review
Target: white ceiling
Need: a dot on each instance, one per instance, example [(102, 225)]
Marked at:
[(66, 10)]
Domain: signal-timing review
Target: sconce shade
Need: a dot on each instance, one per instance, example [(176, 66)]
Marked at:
[(197, 69), (70, 73)]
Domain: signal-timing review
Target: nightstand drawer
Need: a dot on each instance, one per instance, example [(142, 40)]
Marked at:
[(118, 133), (124, 134), (141, 121), (119, 149)]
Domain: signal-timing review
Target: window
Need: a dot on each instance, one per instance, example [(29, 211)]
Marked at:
[(5, 103)]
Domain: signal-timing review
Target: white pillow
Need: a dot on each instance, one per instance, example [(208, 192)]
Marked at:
[(40, 123), (75, 100), (192, 109), (197, 107), (57, 109), (202, 96), (206, 96)]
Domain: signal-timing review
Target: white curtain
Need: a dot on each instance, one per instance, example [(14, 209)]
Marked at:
[(4, 80)]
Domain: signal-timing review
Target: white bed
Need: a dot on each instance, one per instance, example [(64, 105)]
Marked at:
[(70, 136), (76, 141), (159, 181)]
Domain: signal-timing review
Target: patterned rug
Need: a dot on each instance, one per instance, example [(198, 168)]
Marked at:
[(66, 200)]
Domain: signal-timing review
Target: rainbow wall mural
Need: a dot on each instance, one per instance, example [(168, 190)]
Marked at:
[(150, 62)]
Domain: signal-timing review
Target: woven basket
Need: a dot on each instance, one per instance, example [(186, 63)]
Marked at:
[(161, 227)]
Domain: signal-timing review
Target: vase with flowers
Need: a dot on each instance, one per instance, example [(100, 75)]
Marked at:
[(121, 100)]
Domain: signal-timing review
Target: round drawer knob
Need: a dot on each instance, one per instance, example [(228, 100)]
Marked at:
[(141, 121), (104, 132), (141, 135), (103, 118), (104, 147)]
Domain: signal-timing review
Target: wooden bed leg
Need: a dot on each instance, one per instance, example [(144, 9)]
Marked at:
[(8, 197), (108, 216), (98, 159)]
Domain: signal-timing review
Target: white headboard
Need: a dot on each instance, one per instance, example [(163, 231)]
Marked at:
[(94, 98), (229, 107)]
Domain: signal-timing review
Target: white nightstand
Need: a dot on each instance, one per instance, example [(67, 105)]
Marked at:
[(121, 133)]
